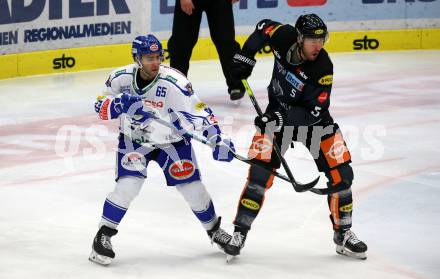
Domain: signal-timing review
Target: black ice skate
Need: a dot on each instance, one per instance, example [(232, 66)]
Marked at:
[(348, 244), (218, 235), (234, 246), (102, 251), (235, 94)]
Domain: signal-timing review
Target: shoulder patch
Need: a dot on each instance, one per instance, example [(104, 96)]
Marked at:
[(272, 30), (171, 78), (189, 88), (199, 106), (326, 80), (120, 72)]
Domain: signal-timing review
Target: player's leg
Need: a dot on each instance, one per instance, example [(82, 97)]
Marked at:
[(252, 196), (334, 160), (183, 37), (130, 175), (220, 18), (201, 204), (179, 165)]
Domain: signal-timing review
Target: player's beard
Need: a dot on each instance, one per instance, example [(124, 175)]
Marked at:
[(311, 56), (150, 75)]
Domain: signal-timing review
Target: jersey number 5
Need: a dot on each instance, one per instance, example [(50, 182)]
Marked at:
[(161, 91), (316, 111)]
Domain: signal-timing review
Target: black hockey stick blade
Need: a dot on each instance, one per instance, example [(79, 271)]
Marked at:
[(298, 186), (307, 186), (331, 190)]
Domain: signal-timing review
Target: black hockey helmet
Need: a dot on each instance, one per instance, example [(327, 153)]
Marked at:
[(311, 26)]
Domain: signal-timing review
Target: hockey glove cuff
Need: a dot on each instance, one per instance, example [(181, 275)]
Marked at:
[(242, 66), (270, 122), (223, 146)]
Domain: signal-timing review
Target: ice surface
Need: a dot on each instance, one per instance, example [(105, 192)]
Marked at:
[(57, 167)]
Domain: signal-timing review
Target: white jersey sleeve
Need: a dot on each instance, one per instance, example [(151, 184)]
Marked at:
[(117, 79), (192, 112)]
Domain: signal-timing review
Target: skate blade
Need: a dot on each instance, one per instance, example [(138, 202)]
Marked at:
[(229, 258), (342, 251), (236, 103), (99, 259)]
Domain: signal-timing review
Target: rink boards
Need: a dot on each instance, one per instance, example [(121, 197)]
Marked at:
[(95, 57)]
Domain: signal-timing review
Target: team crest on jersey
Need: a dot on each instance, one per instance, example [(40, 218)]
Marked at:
[(292, 79), (133, 161), (326, 80), (154, 47), (182, 169)]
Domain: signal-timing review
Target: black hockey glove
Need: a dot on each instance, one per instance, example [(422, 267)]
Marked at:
[(242, 66), (269, 122)]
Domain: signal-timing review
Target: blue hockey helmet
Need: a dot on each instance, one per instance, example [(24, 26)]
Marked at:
[(148, 44)]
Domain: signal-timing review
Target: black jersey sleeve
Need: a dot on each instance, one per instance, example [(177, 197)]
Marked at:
[(260, 37)]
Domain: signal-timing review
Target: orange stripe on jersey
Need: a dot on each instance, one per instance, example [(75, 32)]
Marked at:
[(334, 203), (272, 30)]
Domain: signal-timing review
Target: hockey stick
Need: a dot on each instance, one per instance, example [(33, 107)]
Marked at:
[(252, 162), (187, 134), (296, 185)]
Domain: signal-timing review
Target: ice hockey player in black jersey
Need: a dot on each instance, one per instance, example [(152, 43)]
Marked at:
[(299, 99)]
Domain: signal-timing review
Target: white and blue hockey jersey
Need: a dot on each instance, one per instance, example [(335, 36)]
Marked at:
[(170, 89)]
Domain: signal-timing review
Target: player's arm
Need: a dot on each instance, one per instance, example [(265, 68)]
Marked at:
[(244, 61), (113, 103), (261, 36), (316, 95), (191, 114), (310, 110)]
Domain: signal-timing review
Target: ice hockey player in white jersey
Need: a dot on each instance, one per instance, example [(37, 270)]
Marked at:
[(133, 93)]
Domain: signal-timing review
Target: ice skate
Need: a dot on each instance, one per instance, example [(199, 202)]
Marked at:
[(349, 245), (235, 95), (218, 235), (102, 252), (233, 248)]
